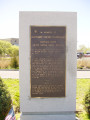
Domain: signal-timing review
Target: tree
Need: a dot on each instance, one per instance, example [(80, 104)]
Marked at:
[(15, 51), (6, 48), (83, 48)]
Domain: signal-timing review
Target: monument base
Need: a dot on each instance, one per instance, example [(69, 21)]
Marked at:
[(53, 116)]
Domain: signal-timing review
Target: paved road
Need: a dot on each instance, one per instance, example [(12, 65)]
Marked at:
[(15, 74)]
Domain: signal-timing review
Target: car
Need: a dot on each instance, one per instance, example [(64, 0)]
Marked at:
[(80, 55), (87, 55)]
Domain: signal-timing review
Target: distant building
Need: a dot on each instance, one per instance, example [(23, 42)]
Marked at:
[(13, 41)]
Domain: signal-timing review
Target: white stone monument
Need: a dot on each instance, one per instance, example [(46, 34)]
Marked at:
[(47, 65)]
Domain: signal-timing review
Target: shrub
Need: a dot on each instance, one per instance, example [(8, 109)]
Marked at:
[(5, 100), (14, 62), (13, 87), (87, 102)]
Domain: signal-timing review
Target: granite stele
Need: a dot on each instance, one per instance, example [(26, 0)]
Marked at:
[(48, 65)]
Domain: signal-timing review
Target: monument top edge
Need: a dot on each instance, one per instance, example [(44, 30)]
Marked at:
[(47, 12)]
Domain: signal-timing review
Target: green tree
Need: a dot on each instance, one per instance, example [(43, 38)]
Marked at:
[(14, 51), (9, 49), (83, 48), (5, 47)]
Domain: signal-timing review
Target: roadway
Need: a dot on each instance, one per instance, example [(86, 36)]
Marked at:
[(15, 74)]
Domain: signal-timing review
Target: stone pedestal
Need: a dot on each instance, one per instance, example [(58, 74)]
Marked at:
[(49, 108), (62, 116)]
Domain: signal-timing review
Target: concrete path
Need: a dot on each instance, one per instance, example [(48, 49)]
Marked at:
[(9, 74), (15, 74), (83, 74)]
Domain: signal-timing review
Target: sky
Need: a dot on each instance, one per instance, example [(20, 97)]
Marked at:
[(9, 15)]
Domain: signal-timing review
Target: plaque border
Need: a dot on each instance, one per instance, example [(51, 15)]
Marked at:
[(30, 56)]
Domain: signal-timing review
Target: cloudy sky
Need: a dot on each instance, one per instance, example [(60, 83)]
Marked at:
[(9, 15)]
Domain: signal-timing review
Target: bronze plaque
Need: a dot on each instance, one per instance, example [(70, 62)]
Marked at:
[(48, 61)]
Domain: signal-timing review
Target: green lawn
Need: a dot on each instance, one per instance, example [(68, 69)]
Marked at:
[(13, 88), (82, 87)]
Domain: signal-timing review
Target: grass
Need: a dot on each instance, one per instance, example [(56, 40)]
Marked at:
[(13, 88), (9, 63), (82, 87), (83, 63), (4, 63), (17, 115)]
